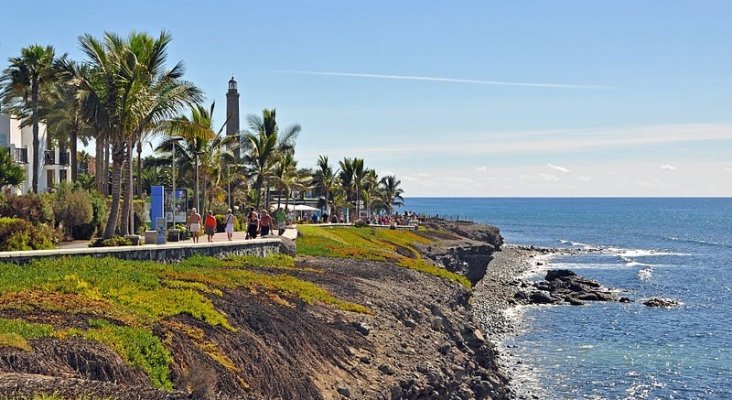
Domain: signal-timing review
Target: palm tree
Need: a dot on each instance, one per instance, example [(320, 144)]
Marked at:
[(197, 130), (65, 116), (263, 143), (30, 72), (325, 180), (346, 177), (127, 92), (214, 155), (391, 193), (369, 190), (352, 175)]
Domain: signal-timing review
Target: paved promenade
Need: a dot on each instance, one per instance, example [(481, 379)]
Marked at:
[(165, 252)]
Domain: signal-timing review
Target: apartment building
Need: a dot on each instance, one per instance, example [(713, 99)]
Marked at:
[(54, 160)]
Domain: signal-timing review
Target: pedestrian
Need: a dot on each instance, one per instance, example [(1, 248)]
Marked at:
[(229, 224), (281, 221), (252, 224), (265, 223), (194, 224), (210, 226)]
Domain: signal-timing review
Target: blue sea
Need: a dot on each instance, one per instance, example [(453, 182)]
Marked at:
[(672, 248)]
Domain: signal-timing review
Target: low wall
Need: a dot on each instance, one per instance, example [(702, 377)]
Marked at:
[(163, 253)]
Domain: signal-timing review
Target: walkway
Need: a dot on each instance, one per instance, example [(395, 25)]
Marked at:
[(166, 252)]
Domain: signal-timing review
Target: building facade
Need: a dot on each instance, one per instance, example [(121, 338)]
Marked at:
[(54, 161)]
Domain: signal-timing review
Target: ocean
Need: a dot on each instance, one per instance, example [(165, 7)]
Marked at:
[(677, 248)]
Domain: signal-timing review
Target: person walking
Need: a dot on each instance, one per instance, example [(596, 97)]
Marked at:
[(252, 224), (265, 223), (229, 224), (281, 221), (194, 224), (210, 226)]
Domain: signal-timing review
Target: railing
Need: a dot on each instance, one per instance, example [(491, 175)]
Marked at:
[(20, 156), (63, 158), (50, 157)]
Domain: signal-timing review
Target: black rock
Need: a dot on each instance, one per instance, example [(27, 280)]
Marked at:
[(540, 298), (553, 274), (659, 302), (362, 328)]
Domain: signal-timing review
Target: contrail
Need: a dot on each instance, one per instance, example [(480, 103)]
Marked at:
[(450, 80)]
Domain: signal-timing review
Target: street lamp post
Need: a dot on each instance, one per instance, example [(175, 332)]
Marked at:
[(174, 140), (228, 182), (197, 205)]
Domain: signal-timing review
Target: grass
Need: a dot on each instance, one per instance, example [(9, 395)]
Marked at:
[(372, 244), (138, 295), (17, 332)]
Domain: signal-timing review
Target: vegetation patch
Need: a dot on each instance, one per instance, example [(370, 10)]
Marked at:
[(372, 244), (17, 332), (139, 347), (129, 298)]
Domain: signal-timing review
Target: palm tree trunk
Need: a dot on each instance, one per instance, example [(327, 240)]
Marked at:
[(99, 144), (105, 170), (139, 168), (118, 158), (203, 206), (72, 153), (128, 195), (258, 185), (36, 121)]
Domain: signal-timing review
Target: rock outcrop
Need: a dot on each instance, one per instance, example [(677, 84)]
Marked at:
[(563, 286)]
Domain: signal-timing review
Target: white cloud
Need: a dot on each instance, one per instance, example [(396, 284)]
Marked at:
[(728, 169), (547, 177), (558, 168), (570, 140), (447, 80), (667, 167), (482, 168)]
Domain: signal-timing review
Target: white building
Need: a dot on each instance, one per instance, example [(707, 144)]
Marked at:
[(54, 161)]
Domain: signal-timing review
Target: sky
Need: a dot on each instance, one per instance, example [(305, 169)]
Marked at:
[(469, 98)]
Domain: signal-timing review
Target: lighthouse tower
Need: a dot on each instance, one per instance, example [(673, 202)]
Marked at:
[(232, 112)]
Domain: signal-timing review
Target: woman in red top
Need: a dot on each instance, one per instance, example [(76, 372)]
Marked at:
[(210, 226)]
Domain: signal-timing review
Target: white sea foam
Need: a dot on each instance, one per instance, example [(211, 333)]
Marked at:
[(622, 252), (645, 274), (584, 246)]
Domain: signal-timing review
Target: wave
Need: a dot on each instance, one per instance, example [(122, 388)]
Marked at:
[(623, 252), (645, 274), (699, 241), (584, 246)]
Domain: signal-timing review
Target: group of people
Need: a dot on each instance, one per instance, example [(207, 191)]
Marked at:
[(257, 224)]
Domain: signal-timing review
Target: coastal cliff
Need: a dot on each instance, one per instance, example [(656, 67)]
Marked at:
[(396, 326)]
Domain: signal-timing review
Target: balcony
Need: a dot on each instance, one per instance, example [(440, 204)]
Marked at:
[(20, 156), (50, 157), (63, 158)]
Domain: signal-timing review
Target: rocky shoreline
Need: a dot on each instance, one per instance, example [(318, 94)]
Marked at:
[(424, 338)]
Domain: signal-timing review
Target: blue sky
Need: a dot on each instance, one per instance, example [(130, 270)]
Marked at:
[(626, 98)]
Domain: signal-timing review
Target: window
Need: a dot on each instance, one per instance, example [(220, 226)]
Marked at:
[(50, 179), (63, 176), (3, 140)]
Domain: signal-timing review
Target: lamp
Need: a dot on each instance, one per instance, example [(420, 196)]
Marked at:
[(174, 140), (198, 153)]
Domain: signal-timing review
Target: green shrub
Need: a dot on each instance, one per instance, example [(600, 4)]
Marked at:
[(99, 216), (72, 207), (34, 208), (220, 222), (240, 224), (360, 223), (18, 234), (111, 242)]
